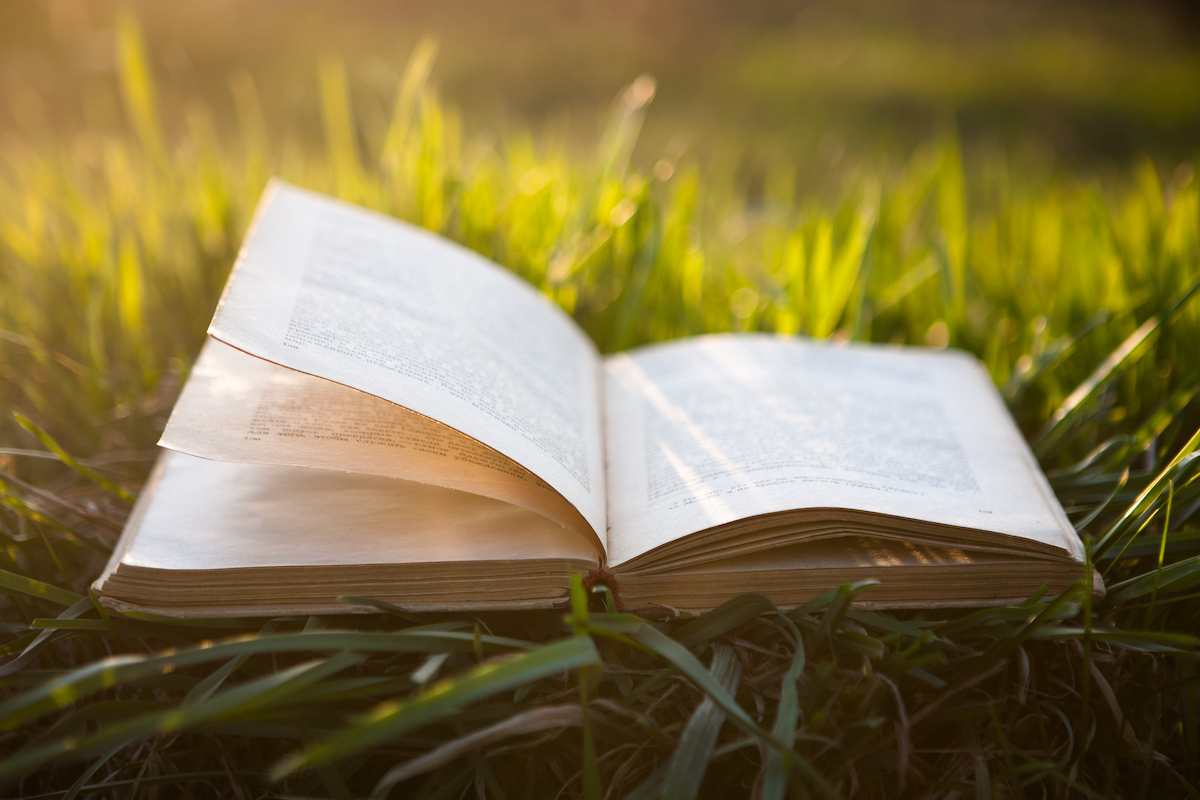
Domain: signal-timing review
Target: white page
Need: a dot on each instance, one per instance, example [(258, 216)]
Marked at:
[(364, 300), (242, 409), (716, 429), (212, 515)]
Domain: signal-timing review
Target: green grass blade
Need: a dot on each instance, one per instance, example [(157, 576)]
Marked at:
[(70, 460), (682, 659), (1148, 497), (12, 582), (412, 84), (137, 87), (116, 670), (445, 698), (30, 652), (239, 700), (722, 619), (1177, 577), (1129, 350), (535, 721), (77, 787), (651, 787), (839, 606), (691, 757), (778, 765)]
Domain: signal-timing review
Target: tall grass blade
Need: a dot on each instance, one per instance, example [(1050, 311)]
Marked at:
[(70, 460), (244, 699), (341, 135), (1177, 577), (412, 84), (12, 582), (1132, 348), (778, 765), (690, 760), (30, 651), (722, 619), (1146, 499), (445, 698), (115, 670), (535, 721), (137, 87)]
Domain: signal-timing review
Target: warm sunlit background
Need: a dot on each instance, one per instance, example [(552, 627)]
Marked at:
[(762, 82), (1013, 178), (1030, 158)]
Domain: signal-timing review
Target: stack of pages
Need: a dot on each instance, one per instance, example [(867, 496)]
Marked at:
[(382, 413)]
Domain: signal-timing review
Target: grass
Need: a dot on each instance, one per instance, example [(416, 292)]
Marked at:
[(1080, 298)]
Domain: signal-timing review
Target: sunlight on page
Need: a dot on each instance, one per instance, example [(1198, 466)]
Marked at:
[(367, 301), (712, 430), (625, 370), (213, 515), (851, 551), (713, 506), (239, 408)]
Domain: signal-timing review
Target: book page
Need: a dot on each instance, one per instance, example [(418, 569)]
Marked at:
[(716, 429), (242, 409), (209, 515), (364, 300)]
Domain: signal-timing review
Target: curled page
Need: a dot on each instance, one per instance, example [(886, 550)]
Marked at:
[(214, 515), (367, 301), (209, 538), (242, 409)]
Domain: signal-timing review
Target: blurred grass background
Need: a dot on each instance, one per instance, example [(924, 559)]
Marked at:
[(1013, 179), (978, 147), (812, 83)]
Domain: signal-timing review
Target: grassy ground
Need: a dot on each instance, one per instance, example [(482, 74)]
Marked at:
[(1079, 296)]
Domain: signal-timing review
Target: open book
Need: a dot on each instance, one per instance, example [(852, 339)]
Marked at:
[(382, 413)]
